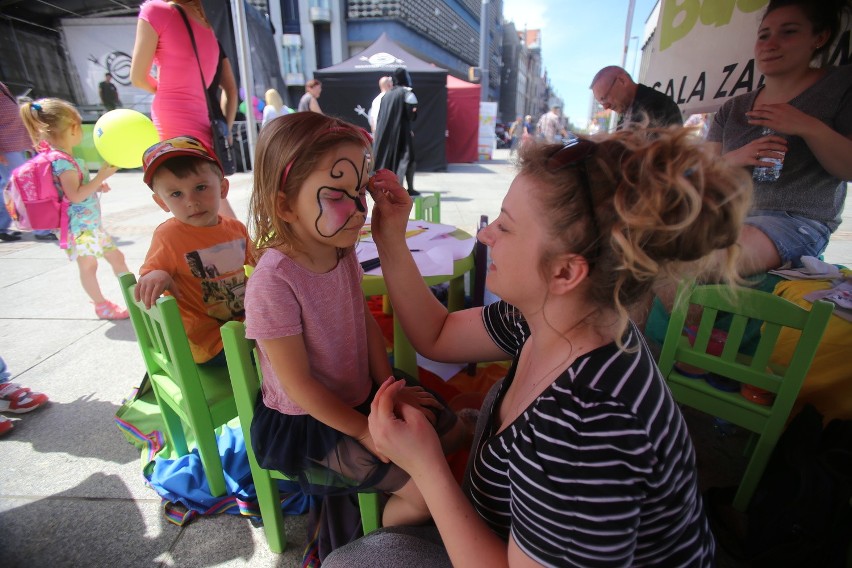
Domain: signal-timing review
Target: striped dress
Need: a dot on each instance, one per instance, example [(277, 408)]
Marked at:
[(599, 470)]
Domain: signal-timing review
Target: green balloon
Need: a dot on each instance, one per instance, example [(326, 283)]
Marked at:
[(242, 107)]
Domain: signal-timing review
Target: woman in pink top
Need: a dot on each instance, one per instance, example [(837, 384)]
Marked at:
[(179, 107)]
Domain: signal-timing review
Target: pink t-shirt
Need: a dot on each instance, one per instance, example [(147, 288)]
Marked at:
[(180, 106), (284, 299)]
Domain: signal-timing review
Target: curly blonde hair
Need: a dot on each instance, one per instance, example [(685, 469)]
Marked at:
[(640, 206), (298, 141)]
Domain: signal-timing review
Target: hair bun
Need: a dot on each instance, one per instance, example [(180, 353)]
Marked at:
[(675, 201)]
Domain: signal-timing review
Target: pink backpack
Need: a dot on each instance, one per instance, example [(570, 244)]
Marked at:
[(32, 197)]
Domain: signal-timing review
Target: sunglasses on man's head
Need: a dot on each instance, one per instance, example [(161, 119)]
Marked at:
[(575, 154)]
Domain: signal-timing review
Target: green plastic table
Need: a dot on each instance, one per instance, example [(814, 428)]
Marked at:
[(404, 355)]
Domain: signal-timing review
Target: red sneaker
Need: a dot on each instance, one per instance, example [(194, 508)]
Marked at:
[(19, 400), (6, 425)]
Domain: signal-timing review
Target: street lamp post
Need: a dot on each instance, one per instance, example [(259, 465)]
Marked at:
[(246, 77), (483, 50), (635, 57)]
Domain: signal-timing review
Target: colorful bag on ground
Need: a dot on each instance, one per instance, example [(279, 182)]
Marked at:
[(32, 198), (180, 481)]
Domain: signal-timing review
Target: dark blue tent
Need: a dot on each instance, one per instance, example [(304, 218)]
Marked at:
[(349, 88)]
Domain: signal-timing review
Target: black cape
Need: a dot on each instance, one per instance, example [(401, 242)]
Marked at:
[(393, 147)]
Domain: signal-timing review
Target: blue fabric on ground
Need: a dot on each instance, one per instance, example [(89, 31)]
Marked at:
[(182, 481)]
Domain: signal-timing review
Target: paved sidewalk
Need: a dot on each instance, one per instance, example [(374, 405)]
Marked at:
[(71, 489)]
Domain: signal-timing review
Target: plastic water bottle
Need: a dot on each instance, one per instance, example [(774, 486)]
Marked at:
[(772, 170)]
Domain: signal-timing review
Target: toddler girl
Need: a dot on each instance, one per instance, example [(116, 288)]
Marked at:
[(321, 351), (55, 124)]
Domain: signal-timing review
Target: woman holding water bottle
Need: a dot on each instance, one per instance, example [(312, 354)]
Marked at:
[(796, 134)]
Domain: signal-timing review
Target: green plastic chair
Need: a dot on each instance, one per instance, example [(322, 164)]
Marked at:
[(428, 208), (245, 378), (766, 422), (199, 398)]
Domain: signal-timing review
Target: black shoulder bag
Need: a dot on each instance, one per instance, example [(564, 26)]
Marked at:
[(218, 125)]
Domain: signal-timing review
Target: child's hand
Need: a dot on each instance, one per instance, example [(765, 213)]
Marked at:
[(392, 204), (420, 399), (152, 285), (105, 187), (105, 171)]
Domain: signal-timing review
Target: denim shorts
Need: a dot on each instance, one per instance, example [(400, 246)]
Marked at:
[(794, 236)]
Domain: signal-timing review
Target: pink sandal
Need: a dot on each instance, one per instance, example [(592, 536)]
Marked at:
[(106, 310)]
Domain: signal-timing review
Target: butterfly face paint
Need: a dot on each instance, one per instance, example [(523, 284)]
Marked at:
[(339, 202)]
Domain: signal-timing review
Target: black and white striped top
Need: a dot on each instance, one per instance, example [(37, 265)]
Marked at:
[(599, 470)]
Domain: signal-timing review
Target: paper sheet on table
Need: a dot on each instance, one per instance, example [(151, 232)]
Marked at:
[(433, 262), (444, 370), (460, 247), (366, 251), (416, 231)]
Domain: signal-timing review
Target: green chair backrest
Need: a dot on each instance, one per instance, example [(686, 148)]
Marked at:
[(162, 340), (246, 377), (428, 208), (743, 304)]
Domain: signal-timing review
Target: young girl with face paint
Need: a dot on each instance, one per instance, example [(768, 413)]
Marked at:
[(321, 351)]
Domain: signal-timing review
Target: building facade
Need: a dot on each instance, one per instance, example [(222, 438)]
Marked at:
[(314, 34), (444, 32)]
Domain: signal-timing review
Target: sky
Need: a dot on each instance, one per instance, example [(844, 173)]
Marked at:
[(579, 37)]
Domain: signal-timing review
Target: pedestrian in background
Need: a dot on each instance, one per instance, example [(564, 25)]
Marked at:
[(15, 149), (385, 85), (54, 124), (274, 108), (108, 93), (529, 130), (180, 99), (550, 125), (515, 133), (393, 148), (308, 102)]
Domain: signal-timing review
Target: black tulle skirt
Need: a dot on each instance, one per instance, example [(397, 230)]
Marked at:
[(323, 460)]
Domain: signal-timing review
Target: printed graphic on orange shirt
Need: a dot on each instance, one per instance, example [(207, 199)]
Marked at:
[(223, 279)]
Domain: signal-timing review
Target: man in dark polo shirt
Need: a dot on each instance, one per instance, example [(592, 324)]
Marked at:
[(635, 103)]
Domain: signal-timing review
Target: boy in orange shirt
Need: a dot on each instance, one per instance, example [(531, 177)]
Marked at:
[(197, 256)]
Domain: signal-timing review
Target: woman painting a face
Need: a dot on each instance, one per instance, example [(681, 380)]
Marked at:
[(583, 456), (809, 109)]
